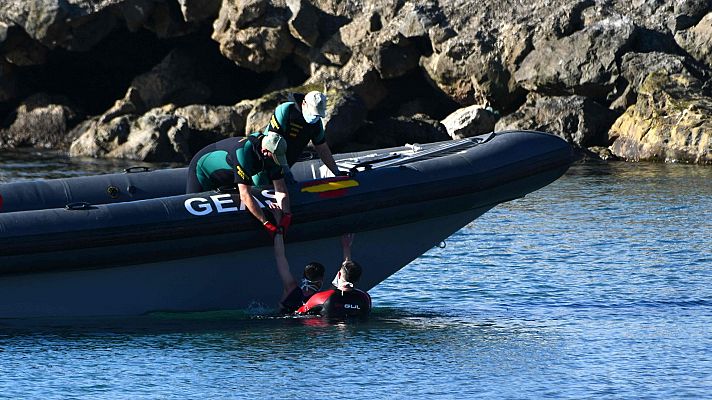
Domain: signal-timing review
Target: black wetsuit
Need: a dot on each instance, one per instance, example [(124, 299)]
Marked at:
[(334, 303), (229, 162)]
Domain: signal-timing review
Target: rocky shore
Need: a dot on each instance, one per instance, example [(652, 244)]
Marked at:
[(156, 80)]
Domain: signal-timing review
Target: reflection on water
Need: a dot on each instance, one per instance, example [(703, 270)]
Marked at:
[(597, 286)]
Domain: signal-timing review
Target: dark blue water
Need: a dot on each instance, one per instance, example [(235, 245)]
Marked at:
[(598, 286)]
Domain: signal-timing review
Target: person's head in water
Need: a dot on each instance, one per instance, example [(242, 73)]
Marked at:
[(313, 277), (349, 275)]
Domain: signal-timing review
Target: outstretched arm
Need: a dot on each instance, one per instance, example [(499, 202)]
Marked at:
[(325, 154), (288, 281), (280, 256), (347, 240), (282, 195), (250, 204)]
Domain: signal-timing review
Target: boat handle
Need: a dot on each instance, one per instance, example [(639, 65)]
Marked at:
[(80, 205), (131, 170)]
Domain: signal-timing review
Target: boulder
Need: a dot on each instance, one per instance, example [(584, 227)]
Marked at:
[(687, 13), (208, 124), (399, 131), (199, 10), (303, 24), (167, 20), (579, 120), (583, 63), (41, 120), (669, 122), (156, 136), (254, 34), (173, 80), (345, 116), (697, 41), (635, 67), (469, 121)]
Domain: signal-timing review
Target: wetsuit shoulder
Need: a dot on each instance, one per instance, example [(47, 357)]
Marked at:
[(316, 302), (280, 118)]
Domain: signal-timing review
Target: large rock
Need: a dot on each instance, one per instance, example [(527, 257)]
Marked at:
[(399, 131), (670, 122), (583, 63), (199, 10), (41, 121), (469, 121), (636, 66), (174, 80), (254, 34), (687, 13), (579, 120), (208, 124), (156, 136), (303, 24), (698, 40), (76, 25)]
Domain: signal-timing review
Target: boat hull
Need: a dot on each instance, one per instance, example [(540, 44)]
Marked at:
[(167, 251)]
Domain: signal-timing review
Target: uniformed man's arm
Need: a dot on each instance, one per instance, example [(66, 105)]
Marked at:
[(325, 154), (282, 195), (249, 202)]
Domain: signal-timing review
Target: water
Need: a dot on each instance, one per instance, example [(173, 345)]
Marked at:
[(598, 286)]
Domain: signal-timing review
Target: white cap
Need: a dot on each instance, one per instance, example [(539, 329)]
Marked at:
[(315, 104)]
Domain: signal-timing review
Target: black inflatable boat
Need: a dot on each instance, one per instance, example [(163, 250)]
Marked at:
[(132, 243)]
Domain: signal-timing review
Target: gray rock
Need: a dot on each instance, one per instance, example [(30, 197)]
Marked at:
[(579, 120), (469, 121), (253, 34), (687, 13), (635, 67), (698, 40), (583, 63), (135, 13), (303, 23), (41, 120), (398, 131), (173, 80), (156, 136), (199, 10), (346, 115), (208, 124)]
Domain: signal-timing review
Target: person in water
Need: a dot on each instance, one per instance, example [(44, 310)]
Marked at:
[(234, 161), (295, 295), (299, 122), (343, 300)]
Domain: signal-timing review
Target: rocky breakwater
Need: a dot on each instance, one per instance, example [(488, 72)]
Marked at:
[(156, 80)]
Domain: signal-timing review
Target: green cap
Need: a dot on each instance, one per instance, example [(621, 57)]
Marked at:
[(277, 145)]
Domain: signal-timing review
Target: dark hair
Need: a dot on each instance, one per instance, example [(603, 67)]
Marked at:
[(314, 271), (351, 271)]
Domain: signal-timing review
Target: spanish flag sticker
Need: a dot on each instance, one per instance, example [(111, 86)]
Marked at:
[(329, 187)]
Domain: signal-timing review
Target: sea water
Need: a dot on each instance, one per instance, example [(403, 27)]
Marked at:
[(598, 286)]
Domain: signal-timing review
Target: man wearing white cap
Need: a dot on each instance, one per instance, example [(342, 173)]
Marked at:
[(234, 161), (300, 121)]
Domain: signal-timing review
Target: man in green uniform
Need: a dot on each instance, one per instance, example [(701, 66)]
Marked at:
[(234, 162), (299, 122)]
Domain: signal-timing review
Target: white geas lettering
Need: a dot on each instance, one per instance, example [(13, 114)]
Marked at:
[(221, 203)]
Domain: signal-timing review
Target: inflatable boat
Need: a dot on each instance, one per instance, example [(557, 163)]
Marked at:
[(132, 243)]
